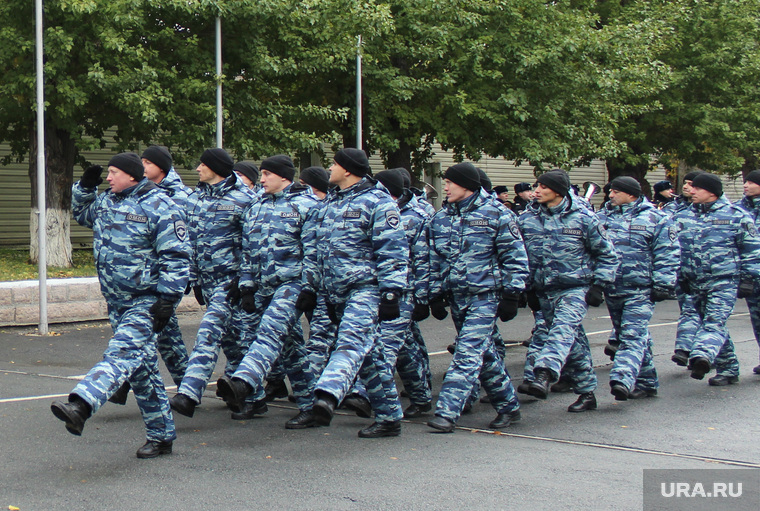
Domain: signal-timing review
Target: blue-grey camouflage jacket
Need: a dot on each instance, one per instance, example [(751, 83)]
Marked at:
[(215, 226), (140, 241), (360, 242), (279, 241), (647, 242), (718, 241), (567, 246), (675, 206), (414, 218), (173, 186), (751, 206), (476, 247)]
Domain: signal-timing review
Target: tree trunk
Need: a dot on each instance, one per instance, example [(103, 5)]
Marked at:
[(60, 155), (401, 157), (638, 171)]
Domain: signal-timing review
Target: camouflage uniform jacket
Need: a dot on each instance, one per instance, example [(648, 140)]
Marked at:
[(279, 241), (140, 241), (360, 242), (647, 242), (173, 186), (215, 225), (751, 206), (567, 246), (414, 218), (476, 247), (718, 241)]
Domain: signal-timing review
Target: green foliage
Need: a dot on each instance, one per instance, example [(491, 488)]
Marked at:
[(15, 265)]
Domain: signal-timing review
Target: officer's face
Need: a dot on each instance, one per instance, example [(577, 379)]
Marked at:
[(206, 175), (271, 182), (504, 196), (751, 189), (686, 189), (526, 195), (454, 192), (545, 195), (119, 180), (153, 171), (245, 180), (667, 193), (618, 198), (702, 196), (337, 174)]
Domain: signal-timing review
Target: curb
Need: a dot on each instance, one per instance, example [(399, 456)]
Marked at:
[(68, 300)]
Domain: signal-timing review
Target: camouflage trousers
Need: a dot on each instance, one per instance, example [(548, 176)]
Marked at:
[(688, 321), (563, 347), (359, 352), (172, 349), (275, 337), (475, 358), (714, 305), (631, 311), (413, 366), (131, 356), (753, 304), (223, 326)]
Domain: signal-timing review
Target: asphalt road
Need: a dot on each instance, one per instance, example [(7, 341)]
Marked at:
[(551, 460)]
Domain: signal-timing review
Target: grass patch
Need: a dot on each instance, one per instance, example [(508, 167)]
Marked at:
[(15, 265)]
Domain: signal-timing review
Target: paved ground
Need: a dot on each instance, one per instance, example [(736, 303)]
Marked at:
[(550, 460)]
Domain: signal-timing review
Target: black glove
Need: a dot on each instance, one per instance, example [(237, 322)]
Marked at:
[(248, 300), (161, 311), (746, 289), (233, 291), (522, 300), (507, 308), (438, 307), (595, 295), (306, 301), (332, 313), (685, 286), (533, 302), (420, 312), (388, 308), (658, 294), (91, 177)]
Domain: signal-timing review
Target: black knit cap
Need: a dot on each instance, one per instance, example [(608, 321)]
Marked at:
[(130, 163), (556, 180), (626, 184), (159, 155), (523, 187), (316, 177), (406, 175), (218, 160), (661, 186), (353, 160), (709, 182), (464, 174), (753, 176), (281, 165), (392, 180), (500, 189), (485, 181), (248, 169), (691, 175)]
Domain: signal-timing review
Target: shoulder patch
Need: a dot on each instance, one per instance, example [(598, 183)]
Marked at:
[(514, 230), (180, 229), (602, 231), (751, 229), (392, 219), (137, 218), (672, 234)]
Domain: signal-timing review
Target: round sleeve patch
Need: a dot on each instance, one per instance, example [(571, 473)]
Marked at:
[(514, 230), (751, 229)]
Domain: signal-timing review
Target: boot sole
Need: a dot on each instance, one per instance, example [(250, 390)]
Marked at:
[(63, 416)]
